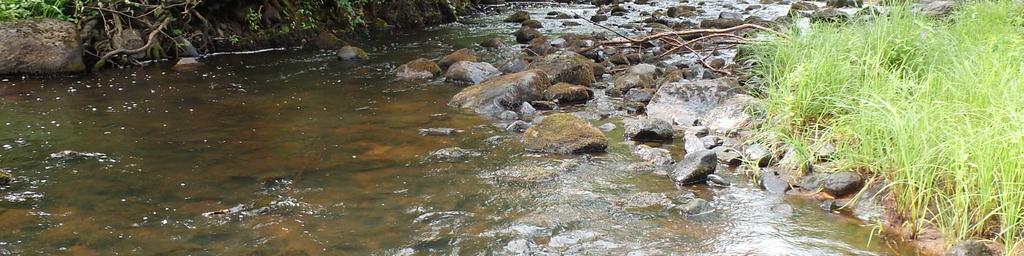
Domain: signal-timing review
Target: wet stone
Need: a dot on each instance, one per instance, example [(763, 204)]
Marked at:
[(508, 115), (517, 126), (728, 156), (841, 184), (5, 177), (350, 53), (69, 155), (772, 183), (532, 24), (640, 94), (757, 153), (544, 105), (471, 72), (494, 42), (719, 181), (607, 127), (711, 142), (514, 66), (648, 129), (438, 131), (526, 109), (695, 206), (564, 133), (464, 54), (518, 17), (695, 167)]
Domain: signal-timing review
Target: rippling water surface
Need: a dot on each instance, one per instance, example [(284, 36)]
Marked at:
[(295, 153)]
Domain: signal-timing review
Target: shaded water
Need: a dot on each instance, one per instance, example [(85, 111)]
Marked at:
[(314, 156)]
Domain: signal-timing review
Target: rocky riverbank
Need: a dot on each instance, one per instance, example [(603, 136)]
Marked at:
[(699, 97)]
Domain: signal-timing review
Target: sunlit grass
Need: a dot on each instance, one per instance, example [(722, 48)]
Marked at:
[(934, 106)]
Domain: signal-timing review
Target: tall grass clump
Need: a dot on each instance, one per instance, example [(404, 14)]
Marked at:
[(935, 106)]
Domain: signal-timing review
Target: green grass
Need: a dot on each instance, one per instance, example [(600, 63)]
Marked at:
[(23, 9), (936, 107)]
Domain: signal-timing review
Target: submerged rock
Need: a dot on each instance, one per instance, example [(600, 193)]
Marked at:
[(438, 131), (502, 93), (463, 54), (40, 46), (565, 93), (418, 69), (517, 126), (452, 154), (566, 66), (657, 156), (695, 167), (564, 133), (648, 129), (695, 206), (349, 53), (68, 155), (471, 72)]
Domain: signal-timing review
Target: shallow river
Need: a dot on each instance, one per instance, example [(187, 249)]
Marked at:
[(296, 153)]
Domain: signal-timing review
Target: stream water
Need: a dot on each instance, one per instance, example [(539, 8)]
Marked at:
[(295, 153)]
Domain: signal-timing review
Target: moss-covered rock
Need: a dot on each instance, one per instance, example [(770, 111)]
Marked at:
[(565, 93), (518, 17), (418, 69), (5, 177), (502, 93), (526, 34), (566, 66), (566, 134), (532, 24), (494, 42), (40, 46), (463, 54), (349, 53), (327, 40)]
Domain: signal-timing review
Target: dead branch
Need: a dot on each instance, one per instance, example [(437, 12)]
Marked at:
[(149, 43)]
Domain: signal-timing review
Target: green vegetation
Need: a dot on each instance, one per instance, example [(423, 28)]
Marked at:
[(22, 9), (936, 106)]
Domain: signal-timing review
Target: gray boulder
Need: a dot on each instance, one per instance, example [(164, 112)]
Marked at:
[(471, 72), (685, 103), (695, 167), (648, 129), (40, 46), (502, 93)]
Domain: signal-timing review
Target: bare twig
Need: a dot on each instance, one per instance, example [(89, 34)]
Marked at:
[(149, 43)]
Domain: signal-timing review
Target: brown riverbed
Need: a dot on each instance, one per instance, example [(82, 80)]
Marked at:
[(312, 156)]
